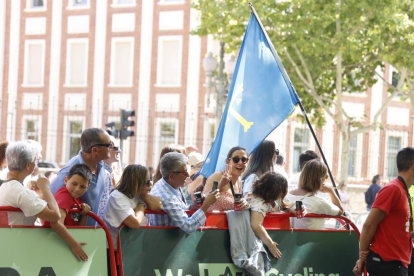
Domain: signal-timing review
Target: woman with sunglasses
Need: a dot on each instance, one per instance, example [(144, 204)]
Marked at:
[(261, 162), (128, 201), (312, 180), (230, 182)]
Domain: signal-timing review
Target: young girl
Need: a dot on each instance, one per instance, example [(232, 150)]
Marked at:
[(128, 201), (268, 189)]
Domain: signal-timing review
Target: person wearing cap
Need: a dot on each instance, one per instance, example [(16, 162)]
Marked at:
[(195, 162)]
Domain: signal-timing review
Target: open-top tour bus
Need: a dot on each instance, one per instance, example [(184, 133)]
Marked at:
[(169, 251)]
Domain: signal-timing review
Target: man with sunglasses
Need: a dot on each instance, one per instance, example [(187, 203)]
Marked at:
[(96, 145), (168, 189)]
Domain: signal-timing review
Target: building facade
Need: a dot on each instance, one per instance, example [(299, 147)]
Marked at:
[(66, 65)]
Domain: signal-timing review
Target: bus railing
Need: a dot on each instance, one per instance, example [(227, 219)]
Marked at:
[(91, 214)]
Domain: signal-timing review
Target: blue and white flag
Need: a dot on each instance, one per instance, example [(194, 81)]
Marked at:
[(260, 98)]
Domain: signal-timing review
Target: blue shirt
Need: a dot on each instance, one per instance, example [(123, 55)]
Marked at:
[(370, 194), (175, 208), (95, 193)]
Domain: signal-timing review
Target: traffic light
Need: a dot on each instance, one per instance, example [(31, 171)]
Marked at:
[(111, 131), (125, 123)]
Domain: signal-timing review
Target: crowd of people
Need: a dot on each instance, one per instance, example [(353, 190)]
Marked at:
[(255, 183)]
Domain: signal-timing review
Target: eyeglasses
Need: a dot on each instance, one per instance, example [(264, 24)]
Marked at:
[(184, 173), (115, 148), (277, 151), (36, 160), (149, 183), (237, 159)]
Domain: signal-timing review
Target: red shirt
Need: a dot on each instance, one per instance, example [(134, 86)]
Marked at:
[(392, 240), (66, 201)]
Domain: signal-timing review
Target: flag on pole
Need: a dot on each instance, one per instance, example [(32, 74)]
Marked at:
[(260, 98)]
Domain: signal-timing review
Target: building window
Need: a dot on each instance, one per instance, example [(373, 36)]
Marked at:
[(300, 144), (77, 62), (167, 134), (393, 146), (122, 61), (32, 130), (80, 2), (352, 156), (34, 63), (169, 61), (123, 2), (75, 131), (38, 4)]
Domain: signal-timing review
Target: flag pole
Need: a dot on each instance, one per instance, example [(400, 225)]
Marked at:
[(297, 98)]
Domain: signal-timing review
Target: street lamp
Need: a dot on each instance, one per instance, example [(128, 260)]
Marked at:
[(219, 83)]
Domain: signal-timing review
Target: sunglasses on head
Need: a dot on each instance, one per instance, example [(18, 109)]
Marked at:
[(237, 159)]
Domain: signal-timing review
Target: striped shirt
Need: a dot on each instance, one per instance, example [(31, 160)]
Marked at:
[(174, 206)]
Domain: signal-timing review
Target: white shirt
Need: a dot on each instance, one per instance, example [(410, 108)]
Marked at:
[(315, 205), (13, 193), (293, 182), (279, 169), (118, 208), (248, 183)]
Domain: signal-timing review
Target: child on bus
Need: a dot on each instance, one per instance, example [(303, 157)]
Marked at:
[(267, 195), (68, 197)]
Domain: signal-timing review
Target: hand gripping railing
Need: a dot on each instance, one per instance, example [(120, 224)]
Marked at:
[(92, 215)]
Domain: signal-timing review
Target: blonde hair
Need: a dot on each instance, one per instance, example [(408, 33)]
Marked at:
[(312, 176)]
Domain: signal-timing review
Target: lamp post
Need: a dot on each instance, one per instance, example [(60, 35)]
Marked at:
[(219, 83)]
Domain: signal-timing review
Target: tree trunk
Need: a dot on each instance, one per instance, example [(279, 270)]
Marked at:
[(344, 156)]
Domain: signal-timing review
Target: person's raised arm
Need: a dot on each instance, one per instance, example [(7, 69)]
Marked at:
[(209, 184), (368, 232), (335, 200), (256, 222), (153, 202), (134, 221), (51, 211), (61, 230)]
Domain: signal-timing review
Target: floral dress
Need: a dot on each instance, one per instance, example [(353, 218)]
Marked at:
[(258, 205)]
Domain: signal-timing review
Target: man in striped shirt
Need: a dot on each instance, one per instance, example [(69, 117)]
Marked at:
[(168, 189)]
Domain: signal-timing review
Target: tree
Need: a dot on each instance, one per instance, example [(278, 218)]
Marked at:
[(328, 47)]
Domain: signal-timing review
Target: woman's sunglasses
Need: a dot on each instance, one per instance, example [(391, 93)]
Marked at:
[(149, 183), (237, 159)]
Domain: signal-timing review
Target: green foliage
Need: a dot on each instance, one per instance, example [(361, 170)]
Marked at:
[(369, 33)]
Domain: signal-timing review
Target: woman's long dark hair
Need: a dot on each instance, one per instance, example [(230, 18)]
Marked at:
[(261, 160)]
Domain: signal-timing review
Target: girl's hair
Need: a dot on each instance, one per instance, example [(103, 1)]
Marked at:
[(170, 148), (312, 176), (261, 160), (133, 178), (233, 149), (270, 187)]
